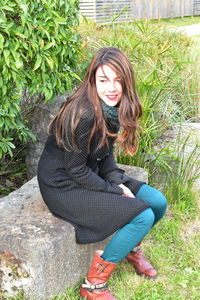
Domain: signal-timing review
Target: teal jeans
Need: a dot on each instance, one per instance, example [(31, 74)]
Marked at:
[(125, 239)]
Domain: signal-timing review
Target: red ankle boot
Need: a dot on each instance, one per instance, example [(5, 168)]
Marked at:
[(95, 286), (141, 265)]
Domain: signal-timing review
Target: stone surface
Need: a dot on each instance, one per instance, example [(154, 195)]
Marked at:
[(38, 252), (180, 132), (188, 134), (190, 30), (38, 123)]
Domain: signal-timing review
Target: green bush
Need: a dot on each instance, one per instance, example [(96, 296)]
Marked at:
[(38, 52)]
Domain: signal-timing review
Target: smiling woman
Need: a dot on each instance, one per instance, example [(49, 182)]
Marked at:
[(80, 181), (108, 85)]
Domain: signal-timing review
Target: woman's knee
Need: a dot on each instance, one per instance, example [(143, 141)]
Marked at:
[(154, 197), (145, 218), (161, 201)]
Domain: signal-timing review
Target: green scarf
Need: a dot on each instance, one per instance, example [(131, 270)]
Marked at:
[(111, 113)]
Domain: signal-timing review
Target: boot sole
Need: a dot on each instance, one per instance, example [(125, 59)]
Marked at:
[(139, 274), (146, 276)]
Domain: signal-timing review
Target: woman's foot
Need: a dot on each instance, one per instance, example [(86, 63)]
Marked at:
[(95, 286), (141, 265)]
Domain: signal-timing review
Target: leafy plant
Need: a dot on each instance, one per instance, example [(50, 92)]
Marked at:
[(168, 85), (185, 171), (38, 51)]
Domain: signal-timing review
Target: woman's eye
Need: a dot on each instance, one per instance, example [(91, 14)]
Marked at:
[(102, 80)]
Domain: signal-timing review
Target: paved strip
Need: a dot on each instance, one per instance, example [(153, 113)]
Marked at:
[(190, 30)]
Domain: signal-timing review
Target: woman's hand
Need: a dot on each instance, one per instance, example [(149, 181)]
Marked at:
[(127, 191)]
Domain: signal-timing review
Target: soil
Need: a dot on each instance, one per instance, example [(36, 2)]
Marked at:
[(13, 171)]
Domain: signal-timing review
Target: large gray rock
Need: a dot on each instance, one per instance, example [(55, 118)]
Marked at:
[(38, 252), (183, 140), (39, 120), (188, 133)]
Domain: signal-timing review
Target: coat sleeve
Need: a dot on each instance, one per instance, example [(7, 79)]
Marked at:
[(109, 170), (76, 162)]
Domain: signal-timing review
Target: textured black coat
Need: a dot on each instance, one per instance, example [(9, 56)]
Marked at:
[(82, 187)]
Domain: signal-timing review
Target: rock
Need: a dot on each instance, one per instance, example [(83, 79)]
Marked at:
[(38, 123), (187, 134), (38, 252), (135, 172), (181, 132)]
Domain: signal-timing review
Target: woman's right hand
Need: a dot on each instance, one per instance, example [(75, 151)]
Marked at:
[(127, 191)]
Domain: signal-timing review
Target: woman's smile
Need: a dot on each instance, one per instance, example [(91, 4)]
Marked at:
[(108, 85), (112, 97)]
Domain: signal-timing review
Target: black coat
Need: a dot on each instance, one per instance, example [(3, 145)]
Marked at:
[(82, 187)]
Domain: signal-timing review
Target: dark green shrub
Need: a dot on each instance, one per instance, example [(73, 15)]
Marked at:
[(38, 52)]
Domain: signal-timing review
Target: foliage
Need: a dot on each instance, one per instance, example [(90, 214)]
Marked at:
[(166, 70), (38, 51), (185, 170), (160, 60), (13, 170)]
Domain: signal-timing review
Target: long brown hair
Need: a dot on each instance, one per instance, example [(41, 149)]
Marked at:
[(75, 106)]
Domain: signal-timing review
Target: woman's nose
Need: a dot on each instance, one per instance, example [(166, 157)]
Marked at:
[(111, 87)]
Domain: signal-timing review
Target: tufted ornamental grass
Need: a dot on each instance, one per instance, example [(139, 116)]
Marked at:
[(167, 66)]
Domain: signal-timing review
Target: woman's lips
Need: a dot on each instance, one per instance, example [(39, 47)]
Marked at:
[(111, 97)]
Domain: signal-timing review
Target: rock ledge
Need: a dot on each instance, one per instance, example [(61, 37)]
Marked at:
[(38, 252)]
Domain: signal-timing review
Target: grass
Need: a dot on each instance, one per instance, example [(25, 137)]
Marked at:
[(173, 256), (177, 22), (173, 248)]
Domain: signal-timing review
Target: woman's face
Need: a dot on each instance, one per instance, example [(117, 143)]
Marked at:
[(108, 85)]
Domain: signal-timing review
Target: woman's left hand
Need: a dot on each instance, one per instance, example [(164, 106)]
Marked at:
[(127, 191)]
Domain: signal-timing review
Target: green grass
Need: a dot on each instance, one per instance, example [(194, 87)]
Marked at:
[(177, 22), (173, 248)]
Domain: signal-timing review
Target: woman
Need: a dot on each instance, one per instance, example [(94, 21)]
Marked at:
[(80, 181)]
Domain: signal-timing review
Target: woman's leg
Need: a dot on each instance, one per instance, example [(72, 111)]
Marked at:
[(158, 205), (156, 200), (120, 245), (128, 237), (131, 234)]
